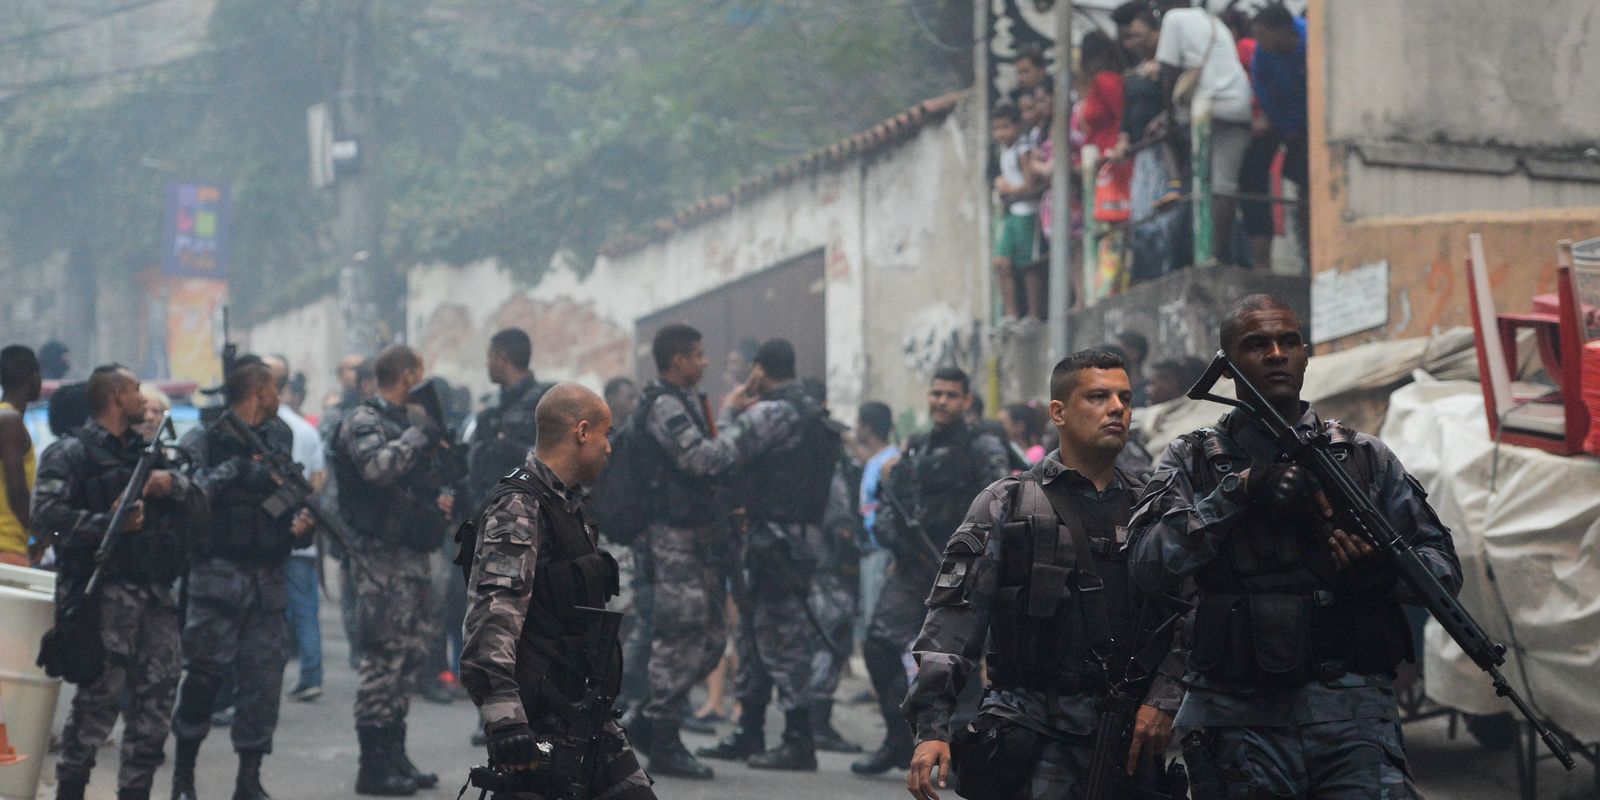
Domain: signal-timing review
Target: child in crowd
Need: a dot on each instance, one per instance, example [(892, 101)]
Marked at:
[(1017, 245)]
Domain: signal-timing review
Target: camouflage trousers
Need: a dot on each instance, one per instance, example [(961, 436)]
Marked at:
[(139, 628), (1357, 759), (775, 643), (833, 601), (637, 603), (235, 627), (688, 631), (396, 631), (895, 623)]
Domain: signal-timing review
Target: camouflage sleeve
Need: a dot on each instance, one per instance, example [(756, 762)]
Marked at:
[(691, 450), (759, 428), (500, 587), (1167, 688), (58, 502), (952, 638), (382, 462), (1402, 499), (993, 461), (1175, 534)]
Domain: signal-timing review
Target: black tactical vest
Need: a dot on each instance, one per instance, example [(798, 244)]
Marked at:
[(237, 527), (157, 553), (674, 496), (502, 436), (553, 653), (946, 474), (1272, 611), (404, 513), (789, 483), (1063, 609)]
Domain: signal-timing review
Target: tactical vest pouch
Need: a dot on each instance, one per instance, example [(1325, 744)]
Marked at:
[(993, 758), (1280, 625), (779, 562), (1054, 562), (1262, 639), (592, 577)]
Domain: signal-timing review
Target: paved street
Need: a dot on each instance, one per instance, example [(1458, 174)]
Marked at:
[(316, 753)]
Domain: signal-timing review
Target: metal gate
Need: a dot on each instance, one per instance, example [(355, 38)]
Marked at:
[(782, 301)]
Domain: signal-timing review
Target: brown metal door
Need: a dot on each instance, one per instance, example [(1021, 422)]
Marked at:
[(785, 301)]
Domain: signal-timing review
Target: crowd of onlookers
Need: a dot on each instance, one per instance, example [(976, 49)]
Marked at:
[(1132, 97)]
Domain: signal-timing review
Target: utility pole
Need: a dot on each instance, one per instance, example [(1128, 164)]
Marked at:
[(1061, 244), (366, 303)]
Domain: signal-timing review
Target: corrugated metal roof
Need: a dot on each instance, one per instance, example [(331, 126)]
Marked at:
[(885, 134)]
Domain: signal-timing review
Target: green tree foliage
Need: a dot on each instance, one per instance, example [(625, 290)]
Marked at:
[(510, 129)]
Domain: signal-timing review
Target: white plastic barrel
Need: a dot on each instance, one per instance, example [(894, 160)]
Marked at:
[(27, 604)]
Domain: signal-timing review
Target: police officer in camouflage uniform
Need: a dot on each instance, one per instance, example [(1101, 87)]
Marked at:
[(526, 662), (835, 598), (79, 480), (682, 543), (234, 627), (935, 480), (387, 460), (1298, 627), (501, 434), (786, 453), (1037, 571)]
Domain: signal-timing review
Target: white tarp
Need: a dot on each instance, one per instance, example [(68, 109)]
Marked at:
[(1530, 520)]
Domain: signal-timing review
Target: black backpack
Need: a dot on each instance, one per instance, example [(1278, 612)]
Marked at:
[(619, 500)]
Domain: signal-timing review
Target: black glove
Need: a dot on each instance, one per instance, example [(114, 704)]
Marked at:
[(1281, 486), (512, 746)]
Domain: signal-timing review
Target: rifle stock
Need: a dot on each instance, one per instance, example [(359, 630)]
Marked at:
[(1357, 514)]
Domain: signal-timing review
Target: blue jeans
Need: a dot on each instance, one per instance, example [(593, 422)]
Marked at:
[(301, 575)]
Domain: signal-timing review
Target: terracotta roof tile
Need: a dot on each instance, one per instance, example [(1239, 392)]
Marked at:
[(879, 137)]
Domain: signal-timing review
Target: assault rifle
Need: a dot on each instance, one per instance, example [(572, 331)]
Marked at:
[(1355, 513), (929, 553), (426, 395), (1113, 735), (72, 649), (294, 491), (569, 763)]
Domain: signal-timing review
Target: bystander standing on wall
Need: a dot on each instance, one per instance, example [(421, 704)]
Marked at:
[(1279, 78)]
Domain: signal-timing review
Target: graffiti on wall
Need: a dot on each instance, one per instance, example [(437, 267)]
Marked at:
[(942, 337)]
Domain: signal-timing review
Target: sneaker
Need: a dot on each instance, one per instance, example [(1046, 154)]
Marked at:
[(306, 694)]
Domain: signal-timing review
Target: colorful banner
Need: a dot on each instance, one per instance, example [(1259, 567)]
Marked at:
[(194, 312), (194, 240)]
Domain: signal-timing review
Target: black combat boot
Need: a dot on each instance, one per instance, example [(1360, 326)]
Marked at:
[(827, 739), (183, 769), (378, 774), (247, 786), (70, 790), (797, 753), (668, 756), (133, 793), (402, 762), (747, 739)]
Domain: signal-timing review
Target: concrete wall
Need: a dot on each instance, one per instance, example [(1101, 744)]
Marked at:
[(309, 338), (1181, 314), (1433, 119), (906, 282), (1477, 71)]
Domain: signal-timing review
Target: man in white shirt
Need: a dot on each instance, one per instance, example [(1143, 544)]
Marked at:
[(301, 568), (1191, 38)]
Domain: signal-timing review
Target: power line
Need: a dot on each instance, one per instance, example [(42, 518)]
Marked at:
[(76, 24)]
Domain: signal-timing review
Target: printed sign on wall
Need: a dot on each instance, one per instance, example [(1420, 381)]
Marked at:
[(194, 240)]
